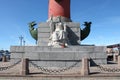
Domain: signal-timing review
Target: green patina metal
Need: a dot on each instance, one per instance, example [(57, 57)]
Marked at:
[(84, 33), (33, 31)]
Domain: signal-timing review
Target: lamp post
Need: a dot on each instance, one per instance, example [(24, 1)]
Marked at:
[(21, 40)]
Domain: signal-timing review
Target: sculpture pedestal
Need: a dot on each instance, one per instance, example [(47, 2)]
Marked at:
[(73, 30), (60, 57)]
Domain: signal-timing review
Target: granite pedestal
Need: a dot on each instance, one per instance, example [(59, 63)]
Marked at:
[(60, 57), (73, 30)]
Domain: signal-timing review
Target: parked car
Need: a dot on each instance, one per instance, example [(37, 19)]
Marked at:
[(7, 54), (4, 53), (1, 54)]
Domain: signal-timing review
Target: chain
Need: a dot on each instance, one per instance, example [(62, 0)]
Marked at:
[(106, 69), (11, 66), (51, 70)]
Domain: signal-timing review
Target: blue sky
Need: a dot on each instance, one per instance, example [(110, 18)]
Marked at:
[(16, 14)]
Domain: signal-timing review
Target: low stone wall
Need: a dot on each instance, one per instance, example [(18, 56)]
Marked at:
[(96, 54)]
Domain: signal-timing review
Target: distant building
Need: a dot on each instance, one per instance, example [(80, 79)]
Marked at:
[(113, 52)]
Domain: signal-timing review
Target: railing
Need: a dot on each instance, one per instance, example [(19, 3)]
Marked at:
[(83, 70), (25, 69)]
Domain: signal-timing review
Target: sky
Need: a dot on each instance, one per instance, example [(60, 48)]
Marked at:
[(16, 14)]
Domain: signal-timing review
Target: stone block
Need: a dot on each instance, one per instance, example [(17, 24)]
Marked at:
[(43, 29), (119, 61), (72, 24), (69, 54), (58, 49), (17, 48), (44, 56), (17, 55), (80, 55), (25, 67), (43, 24), (85, 67), (100, 55), (44, 35), (43, 42), (29, 48), (100, 49), (75, 29), (31, 55)]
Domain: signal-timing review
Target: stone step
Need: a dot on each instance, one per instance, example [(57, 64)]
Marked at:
[(51, 49)]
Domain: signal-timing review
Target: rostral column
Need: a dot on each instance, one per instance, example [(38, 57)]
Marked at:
[(59, 8), (59, 11)]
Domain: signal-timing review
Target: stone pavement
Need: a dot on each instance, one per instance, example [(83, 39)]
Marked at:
[(60, 78)]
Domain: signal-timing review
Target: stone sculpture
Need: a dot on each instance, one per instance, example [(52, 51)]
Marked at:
[(59, 37)]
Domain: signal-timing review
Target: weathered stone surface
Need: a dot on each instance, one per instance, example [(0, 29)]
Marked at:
[(24, 67), (60, 55), (44, 33), (85, 67), (119, 61)]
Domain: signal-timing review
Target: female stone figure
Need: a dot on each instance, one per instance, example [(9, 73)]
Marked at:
[(59, 37)]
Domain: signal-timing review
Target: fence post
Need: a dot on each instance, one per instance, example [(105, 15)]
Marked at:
[(85, 67), (4, 59), (119, 61), (114, 58), (25, 66)]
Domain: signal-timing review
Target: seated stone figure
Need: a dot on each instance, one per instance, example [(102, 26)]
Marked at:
[(59, 37)]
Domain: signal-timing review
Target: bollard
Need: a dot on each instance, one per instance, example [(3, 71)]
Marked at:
[(119, 61), (25, 66), (114, 58), (85, 67), (4, 59)]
